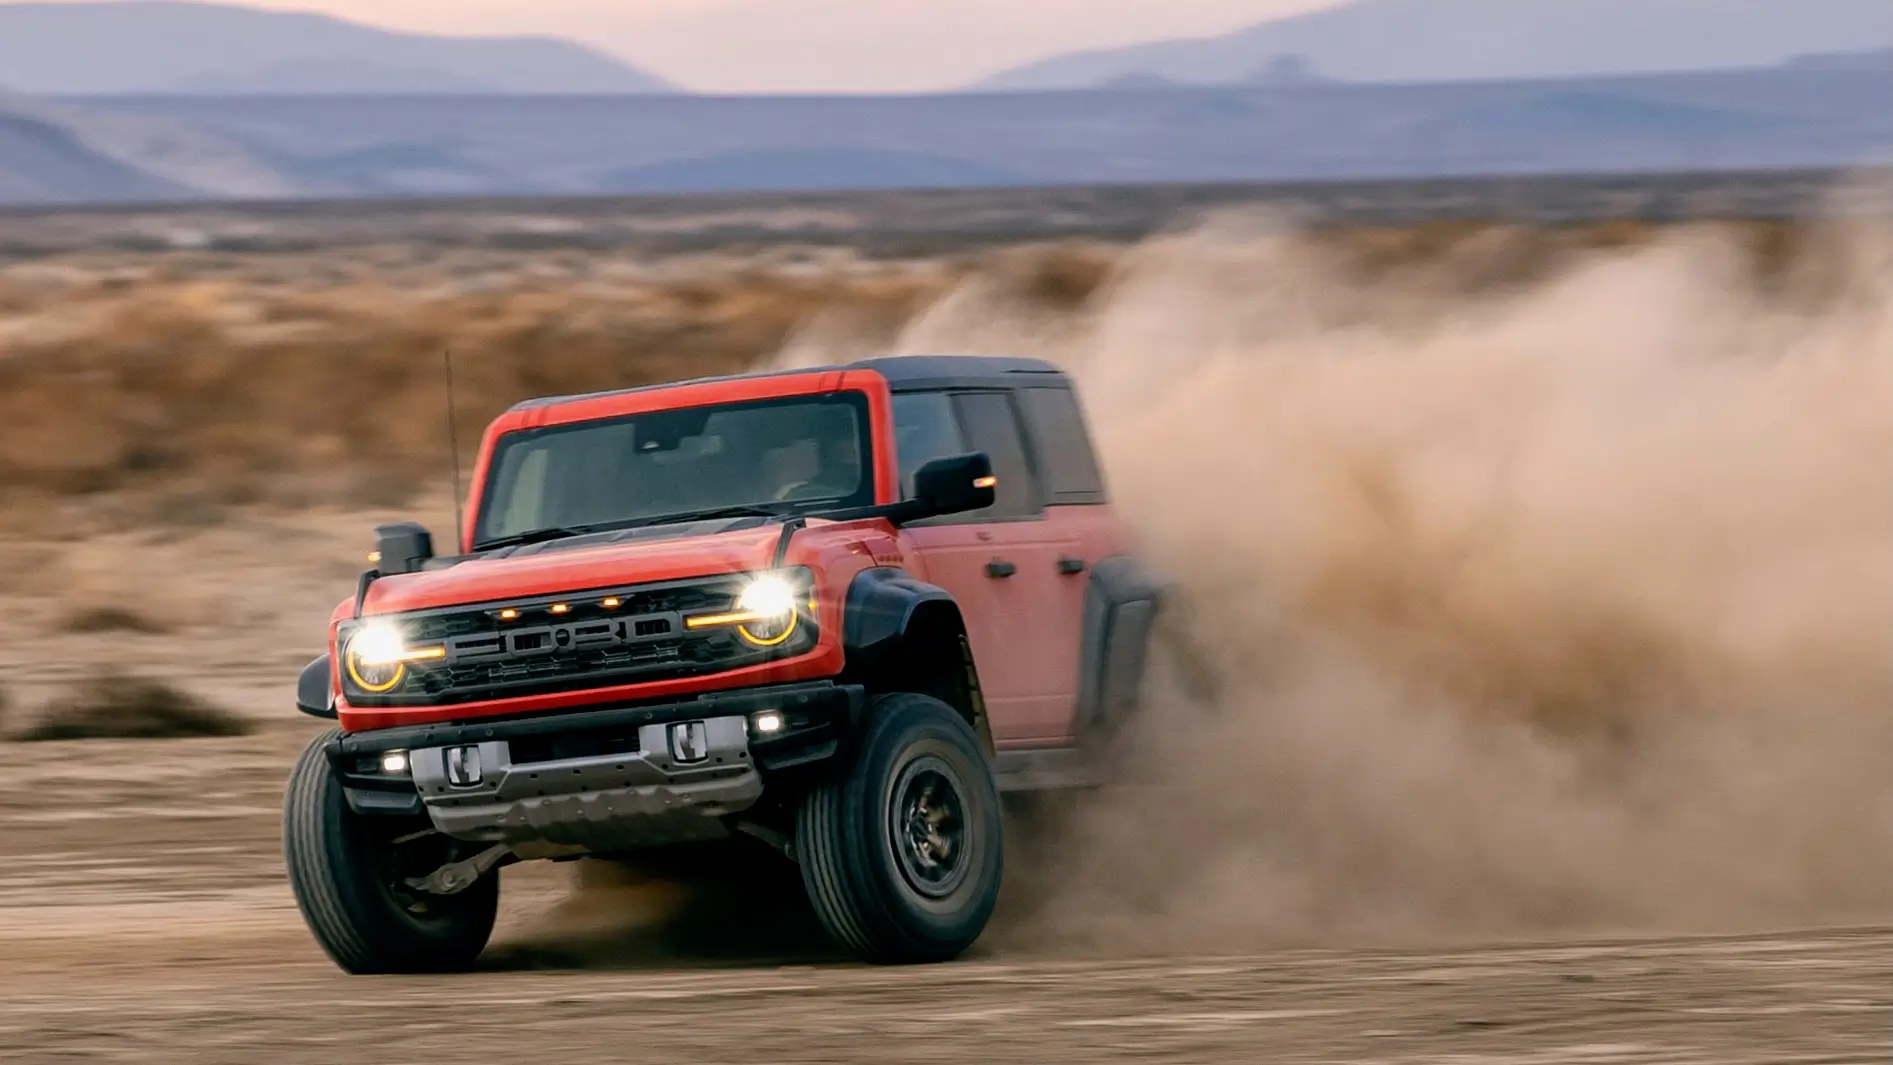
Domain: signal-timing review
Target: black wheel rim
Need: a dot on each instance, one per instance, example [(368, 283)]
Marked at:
[(398, 859), (927, 827)]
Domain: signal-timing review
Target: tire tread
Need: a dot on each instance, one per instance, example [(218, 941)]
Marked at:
[(352, 930), (837, 858)]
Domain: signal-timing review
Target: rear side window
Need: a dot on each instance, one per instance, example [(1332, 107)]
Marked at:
[(925, 429), (990, 425), (1065, 457)]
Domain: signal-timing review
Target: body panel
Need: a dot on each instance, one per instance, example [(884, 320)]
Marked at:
[(492, 580), (1026, 627)]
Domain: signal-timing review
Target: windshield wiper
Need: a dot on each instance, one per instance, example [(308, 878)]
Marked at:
[(561, 532), (535, 536), (711, 513)]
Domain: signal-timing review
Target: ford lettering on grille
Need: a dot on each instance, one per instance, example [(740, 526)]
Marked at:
[(543, 640)]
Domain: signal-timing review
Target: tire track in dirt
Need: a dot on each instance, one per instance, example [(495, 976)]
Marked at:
[(1723, 1001), (144, 918)]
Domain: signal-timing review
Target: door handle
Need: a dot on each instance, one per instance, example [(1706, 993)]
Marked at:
[(1069, 566), (1000, 568)]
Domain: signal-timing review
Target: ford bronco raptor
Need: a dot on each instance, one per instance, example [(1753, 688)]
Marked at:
[(832, 613)]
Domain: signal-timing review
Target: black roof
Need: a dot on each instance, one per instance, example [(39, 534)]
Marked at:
[(942, 371), (903, 373)]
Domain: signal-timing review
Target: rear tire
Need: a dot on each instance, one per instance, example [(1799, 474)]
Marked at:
[(902, 853), (345, 871)]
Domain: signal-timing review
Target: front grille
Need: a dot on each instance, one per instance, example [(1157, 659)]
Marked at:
[(584, 640)]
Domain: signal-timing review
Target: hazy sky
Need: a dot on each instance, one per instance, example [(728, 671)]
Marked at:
[(819, 45)]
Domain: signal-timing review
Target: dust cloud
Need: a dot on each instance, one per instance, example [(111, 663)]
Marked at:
[(1501, 606)]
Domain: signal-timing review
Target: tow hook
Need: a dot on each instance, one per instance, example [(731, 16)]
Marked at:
[(782, 844), (455, 877)]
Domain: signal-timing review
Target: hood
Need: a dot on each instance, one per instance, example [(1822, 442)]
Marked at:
[(581, 563)]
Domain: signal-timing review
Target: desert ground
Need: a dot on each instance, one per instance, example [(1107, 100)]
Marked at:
[(144, 919), (1527, 702)]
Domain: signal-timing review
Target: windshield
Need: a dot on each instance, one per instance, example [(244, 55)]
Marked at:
[(778, 456)]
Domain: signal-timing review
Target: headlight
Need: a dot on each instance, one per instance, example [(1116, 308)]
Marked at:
[(769, 603), (766, 613), (377, 657)]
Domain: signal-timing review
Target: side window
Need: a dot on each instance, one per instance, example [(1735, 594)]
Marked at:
[(1064, 446), (924, 430), (991, 426)]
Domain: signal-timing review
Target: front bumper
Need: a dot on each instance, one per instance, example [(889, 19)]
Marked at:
[(601, 780)]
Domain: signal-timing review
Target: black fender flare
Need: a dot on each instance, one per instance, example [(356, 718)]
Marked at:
[(315, 689), (884, 607), (1122, 601), (880, 605)]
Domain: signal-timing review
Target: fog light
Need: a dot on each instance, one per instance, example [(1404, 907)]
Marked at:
[(394, 762), (768, 722)]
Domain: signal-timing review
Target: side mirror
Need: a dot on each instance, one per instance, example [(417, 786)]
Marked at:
[(953, 485), (402, 547)]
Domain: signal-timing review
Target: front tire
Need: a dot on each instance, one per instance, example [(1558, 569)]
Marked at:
[(346, 871), (902, 853)]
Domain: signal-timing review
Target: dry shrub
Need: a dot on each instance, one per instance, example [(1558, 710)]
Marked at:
[(1059, 277), (216, 395), (211, 382), (111, 618), (120, 706)]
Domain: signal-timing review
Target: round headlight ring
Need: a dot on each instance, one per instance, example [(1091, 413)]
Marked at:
[(378, 678), (763, 639), (374, 658)]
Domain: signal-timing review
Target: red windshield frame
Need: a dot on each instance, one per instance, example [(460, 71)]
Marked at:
[(886, 471)]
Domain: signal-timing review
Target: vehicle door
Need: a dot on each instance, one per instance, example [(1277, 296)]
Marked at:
[(1009, 567), (1077, 519)]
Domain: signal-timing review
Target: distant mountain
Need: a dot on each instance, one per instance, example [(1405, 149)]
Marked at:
[(797, 169), (1282, 72), (1283, 127), (56, 152), (40, 162), (1140, 83), (1476, 40), (120, 47), (1287, 70), (1878, 60)]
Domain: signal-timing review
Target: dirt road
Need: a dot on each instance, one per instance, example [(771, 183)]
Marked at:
[(143, 918)]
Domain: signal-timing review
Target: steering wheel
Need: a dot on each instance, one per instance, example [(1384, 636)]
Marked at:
[(787, 491)]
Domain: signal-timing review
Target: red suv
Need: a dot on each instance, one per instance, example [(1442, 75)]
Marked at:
[(838, 611)]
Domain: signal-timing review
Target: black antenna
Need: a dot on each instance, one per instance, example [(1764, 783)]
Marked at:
[(453, 448)]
